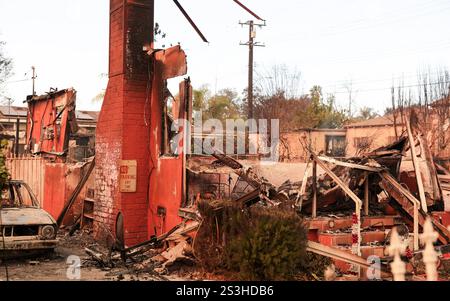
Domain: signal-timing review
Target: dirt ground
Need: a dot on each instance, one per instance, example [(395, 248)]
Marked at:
[(49, 267), (54, 266), (284, 171), (57, 266)]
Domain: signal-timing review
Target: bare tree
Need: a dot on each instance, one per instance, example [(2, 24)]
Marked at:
[(431, 100), (442, 105), (5, 68), (351, 96), (278, 95), (279, 79), (394, 112)]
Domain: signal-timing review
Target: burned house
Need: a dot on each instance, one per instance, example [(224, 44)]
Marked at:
[(51, 121), (81, 143), (13, 127)]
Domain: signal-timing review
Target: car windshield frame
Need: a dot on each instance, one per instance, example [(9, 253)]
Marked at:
[(16, 197)]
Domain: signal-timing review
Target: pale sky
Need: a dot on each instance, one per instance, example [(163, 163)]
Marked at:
[(330, 42)]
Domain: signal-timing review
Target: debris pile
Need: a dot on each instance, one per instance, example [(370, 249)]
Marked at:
[(258, 232), (390, 179), (156, 259)]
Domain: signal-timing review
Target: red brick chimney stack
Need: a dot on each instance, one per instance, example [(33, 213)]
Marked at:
[(122, 132)]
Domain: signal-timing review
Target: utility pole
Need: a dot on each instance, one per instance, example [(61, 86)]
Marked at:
[(251, 44), (34, 79)]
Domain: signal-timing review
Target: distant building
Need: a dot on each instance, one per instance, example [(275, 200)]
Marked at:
[(9, 116), (367, 135), (293, 145), (352, 140), (371, 134), (81, 144)]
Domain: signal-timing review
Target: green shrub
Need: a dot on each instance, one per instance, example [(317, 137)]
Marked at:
[(256, 243)]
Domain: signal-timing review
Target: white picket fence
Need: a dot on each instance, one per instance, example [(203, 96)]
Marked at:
[(28, 169), (429, 258)]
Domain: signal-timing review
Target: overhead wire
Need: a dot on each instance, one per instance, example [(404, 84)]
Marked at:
[(369, 56), (358, 82), (390, 88), (364, 24), (18, 81)]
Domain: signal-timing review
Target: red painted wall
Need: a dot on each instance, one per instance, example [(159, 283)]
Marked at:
[(129, 129), (60, 182), (55, 188), (43, 113)]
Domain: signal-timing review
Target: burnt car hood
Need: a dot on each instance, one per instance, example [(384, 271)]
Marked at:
[(25, 216)]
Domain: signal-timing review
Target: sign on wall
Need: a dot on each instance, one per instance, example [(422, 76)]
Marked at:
[(128, 175)]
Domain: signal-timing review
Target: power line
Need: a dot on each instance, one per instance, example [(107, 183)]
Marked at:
[(404, 77), (390, 88), (407, 77), (381, 22), (350, 27), (389, 54), (368, 81), (18, 81), (428, 5)]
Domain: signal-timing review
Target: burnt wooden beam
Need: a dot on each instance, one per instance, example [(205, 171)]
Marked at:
[(416, 165), (366, 194), (338, 181), (73, 197), (350, 165), (314, 204)]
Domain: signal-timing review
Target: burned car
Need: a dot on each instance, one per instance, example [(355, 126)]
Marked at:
[(24, 226)]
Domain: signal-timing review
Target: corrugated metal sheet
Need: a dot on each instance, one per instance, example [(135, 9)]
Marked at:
[(14, 111), (84, 115), (31, 170)]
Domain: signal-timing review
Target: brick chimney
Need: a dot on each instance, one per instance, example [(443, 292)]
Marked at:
[(122, 132)]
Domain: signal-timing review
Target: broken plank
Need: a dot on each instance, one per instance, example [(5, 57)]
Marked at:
[(350, 193), (341, 255), (97, 256), (442, 169), (314, 204), (405, 199), (445, 178), (73, 197), (401, 196), (299, 201), (384, 153), (416, 165), (250, 198), (430, 172), (350, 165), (366, 194), (338, 181)]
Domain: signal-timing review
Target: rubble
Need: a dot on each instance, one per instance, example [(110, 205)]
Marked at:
[(154, 259), (378, 182), (370, 185)]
